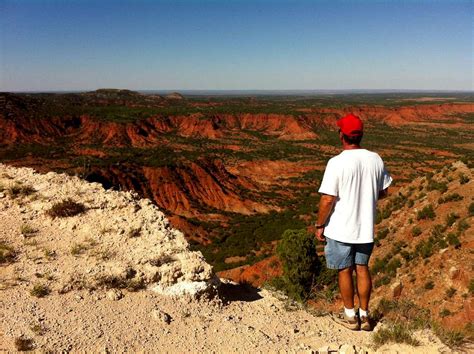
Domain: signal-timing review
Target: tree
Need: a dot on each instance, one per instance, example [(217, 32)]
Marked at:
[(301, 265)]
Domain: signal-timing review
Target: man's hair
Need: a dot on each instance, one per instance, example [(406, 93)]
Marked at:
[(352, 140)]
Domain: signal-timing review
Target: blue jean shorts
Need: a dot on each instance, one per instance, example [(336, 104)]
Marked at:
[(340, 255)]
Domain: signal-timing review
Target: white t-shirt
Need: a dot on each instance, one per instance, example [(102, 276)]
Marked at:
[(355, 177)]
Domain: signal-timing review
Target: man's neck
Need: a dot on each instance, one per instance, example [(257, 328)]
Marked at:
[(351, 147)]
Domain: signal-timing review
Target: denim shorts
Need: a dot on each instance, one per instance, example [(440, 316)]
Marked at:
[(340, 255)]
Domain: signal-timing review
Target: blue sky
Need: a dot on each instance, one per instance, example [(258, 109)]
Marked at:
[(82, 45)]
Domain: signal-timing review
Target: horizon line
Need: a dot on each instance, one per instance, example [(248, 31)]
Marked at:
[(327, 91)]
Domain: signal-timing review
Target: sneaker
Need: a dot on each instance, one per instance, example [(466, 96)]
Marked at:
[(348, 322), (365, 324)]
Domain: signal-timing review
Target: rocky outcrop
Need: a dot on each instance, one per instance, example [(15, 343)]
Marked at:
[(119, 241)]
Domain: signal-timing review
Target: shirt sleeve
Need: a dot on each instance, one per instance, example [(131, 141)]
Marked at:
[(330, 182), (386, 180)]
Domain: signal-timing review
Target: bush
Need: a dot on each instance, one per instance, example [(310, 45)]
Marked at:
[(463, 225), (18, 190), (297, 252), (444, 313), (453, 197), (66, 208), (416, 231), (429, 285), (440, 186), (397, 332), (40, 290), (471, 209), (7, 253), (381, 234), (451, 219), (450, 292), (453, 240), (426, 213), (463, 179), (26, 229)]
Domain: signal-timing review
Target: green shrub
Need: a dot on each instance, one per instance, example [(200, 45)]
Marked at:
[(471, 209), (429, 285), (451, 219), (453, 197), (416, 231), (426, 213), (450, 292), (444, 313), (392, 266), (381, 234), (384, 280), (7, 253), (397, 332), (297, 252), (463, 225), (19, 190), (440, 186), (26, 229), (463, 179), (471, 286), (40, 290), (453, 240)]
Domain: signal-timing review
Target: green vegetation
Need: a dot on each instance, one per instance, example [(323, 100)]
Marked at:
[(429, 285), (386, 268), (395, 203), (7, 253), (416, 231), (396, 332), (463, 225), (453, 240), (463, 179), (439, 186), (245, 234), (20, 190), (451, 219), (297, 252), (426, 213), (116, 282), (26, 230), (470, 209), (403, 318), (450, 292), (40, 290), (453, 197), (78, 249)]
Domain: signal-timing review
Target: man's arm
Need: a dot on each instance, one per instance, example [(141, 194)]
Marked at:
[(326, 204)]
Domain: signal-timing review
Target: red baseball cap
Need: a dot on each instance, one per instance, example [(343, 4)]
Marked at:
[(351, 125)]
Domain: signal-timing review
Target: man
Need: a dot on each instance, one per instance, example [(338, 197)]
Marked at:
[(353, 182)]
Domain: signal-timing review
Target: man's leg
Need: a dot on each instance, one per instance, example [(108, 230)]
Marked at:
[(346, 287), (364, 285)]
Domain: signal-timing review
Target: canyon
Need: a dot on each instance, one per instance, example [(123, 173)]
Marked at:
[(232, 173)]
